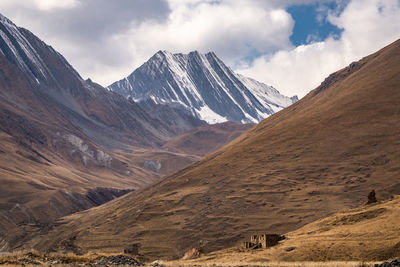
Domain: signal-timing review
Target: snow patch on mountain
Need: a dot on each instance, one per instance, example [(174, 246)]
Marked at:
[(208, 115)]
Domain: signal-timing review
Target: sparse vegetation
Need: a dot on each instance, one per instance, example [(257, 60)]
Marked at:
[(302, 173), (32, 258), (360, 236), (321, 155)]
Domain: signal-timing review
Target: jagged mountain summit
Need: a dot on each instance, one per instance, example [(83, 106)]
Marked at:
[(202, 85)]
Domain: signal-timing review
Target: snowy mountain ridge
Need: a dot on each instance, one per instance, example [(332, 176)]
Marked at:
[(202, 85), (34, 69), (16, 46)]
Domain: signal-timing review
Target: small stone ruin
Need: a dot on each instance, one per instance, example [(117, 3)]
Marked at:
[(263, 241)]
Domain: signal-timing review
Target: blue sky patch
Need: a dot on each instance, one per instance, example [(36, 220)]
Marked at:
[(311, 22)]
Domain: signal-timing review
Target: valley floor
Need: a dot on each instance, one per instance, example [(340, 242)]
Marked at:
[(364, 236), (93, 259)]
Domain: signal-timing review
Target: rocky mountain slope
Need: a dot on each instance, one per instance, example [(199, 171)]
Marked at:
[(68, 144), (323, 154), (202, 85)]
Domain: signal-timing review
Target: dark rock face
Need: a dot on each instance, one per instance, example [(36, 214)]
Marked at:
[(339, 75), (203, 86)]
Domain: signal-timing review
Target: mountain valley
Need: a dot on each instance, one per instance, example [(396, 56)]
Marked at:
[(185, 156), (321, 155), (68, 144)]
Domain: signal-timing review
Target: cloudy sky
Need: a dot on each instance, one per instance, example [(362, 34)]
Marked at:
[(290, 44)]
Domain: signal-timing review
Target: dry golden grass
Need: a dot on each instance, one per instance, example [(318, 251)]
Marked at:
[(35, 192), (68, 259), (321, 155), (368, 233), (206, 139)]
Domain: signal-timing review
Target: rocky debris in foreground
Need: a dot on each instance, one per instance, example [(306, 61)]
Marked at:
[(31, 259), (118, 260), (28, 261), (393, 263)]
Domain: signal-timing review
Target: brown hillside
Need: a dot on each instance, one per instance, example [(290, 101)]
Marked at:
[(367, 233), (320, 155), (206, 139), (38, 185)]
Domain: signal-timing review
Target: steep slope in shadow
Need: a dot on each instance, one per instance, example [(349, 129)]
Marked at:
[(61, 137)]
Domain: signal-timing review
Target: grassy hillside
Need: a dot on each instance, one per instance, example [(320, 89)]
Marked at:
[(367, 233), (321, 155)]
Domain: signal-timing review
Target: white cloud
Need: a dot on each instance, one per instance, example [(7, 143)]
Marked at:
[(51, 4), (106, 40), (232, 29), (368, 26), (45, 5)]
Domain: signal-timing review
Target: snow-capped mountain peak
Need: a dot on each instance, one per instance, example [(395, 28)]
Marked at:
[(202, 85)]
